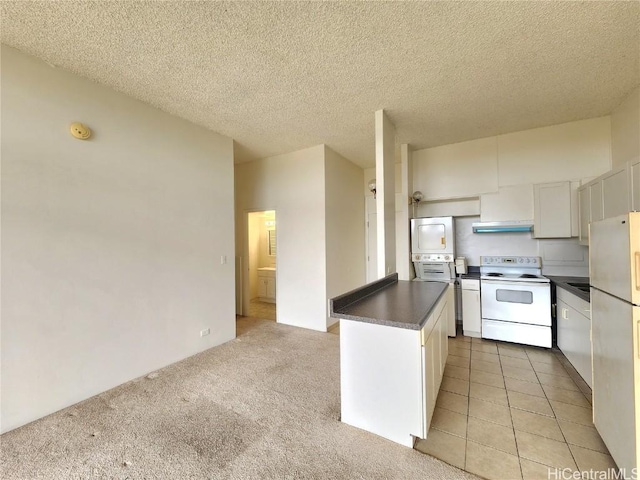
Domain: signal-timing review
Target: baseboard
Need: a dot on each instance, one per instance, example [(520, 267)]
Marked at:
[(334, 327)]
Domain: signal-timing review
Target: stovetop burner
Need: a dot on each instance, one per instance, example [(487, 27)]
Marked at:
[(493, 274), (528, 275)]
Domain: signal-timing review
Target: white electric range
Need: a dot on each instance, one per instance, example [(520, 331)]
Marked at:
[(515, 300)]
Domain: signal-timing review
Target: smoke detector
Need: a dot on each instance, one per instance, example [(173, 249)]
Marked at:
[(80, 131)]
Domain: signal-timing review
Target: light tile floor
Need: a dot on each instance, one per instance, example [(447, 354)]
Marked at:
[(507, 411)]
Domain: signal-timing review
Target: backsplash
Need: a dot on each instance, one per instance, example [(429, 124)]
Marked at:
[(559, 256)]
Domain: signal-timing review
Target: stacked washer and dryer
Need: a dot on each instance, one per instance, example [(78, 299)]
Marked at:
[(433, 256)]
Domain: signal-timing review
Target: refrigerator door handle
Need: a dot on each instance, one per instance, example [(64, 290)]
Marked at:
[(637, 270)]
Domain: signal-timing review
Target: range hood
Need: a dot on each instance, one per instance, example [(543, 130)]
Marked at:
[(503, 227)]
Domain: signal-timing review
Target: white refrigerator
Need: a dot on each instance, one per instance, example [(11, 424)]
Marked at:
[(614, 264)]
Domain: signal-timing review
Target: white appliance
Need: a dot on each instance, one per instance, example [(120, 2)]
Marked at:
[(433, 254), (515, 300), (614, 263), (433, 248), (461, 265), (433, 235)]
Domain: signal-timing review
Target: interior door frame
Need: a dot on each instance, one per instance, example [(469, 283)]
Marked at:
[(246, 265), (369, 209)]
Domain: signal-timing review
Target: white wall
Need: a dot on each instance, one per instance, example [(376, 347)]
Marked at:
[(344, 226), (625, 129), (570, 151), (456, 171), (293, 185), (111, 247)]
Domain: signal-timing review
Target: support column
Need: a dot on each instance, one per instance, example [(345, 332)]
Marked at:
[(403, 238), (385, 194)]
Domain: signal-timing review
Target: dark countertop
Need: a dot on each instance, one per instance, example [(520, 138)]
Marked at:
[(473, 273), (389, 301), (471, 276), (563, 282)]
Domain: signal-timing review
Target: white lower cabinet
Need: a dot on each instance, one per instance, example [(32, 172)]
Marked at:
[(267, 286), (390, 376), (435, 350), (451, 313), (471, 314), (574, 332)]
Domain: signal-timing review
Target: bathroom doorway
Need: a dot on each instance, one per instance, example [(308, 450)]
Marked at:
[(262, 264)]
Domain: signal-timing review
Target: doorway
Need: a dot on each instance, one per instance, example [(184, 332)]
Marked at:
[(262, 264)]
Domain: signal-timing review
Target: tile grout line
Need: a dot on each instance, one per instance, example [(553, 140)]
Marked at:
[(554, 412), (530, 360), (513, 425)]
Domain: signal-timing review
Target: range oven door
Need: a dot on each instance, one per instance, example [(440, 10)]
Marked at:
[(519, 302)]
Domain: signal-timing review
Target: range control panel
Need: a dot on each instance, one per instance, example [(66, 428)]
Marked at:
[(534, 262)]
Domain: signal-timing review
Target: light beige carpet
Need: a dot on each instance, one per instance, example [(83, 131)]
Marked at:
[(264, 405)]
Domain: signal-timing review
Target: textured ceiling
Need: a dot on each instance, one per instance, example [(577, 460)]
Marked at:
[(280, 76)]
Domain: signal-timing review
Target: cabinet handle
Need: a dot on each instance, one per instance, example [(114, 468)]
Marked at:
[(564, 313)]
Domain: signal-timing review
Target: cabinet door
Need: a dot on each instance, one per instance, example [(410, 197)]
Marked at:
[(438, 368), (574, 339), (429, 371), (471, 319), (615, 193), (584, 207), (445, 328), (450, 324), (635, 185), (262, 286), (575, 212), (552, 210), (271, 288), (595, 197)]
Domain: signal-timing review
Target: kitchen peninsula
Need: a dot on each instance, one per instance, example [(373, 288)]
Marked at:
[(393, 349)]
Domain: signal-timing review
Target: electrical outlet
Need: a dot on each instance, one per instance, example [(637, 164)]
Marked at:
[(205, 332)]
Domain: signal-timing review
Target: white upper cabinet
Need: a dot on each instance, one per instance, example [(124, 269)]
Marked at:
[(552, 210), (584, 207), (635, 185), (595, 195), (615, 192)]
